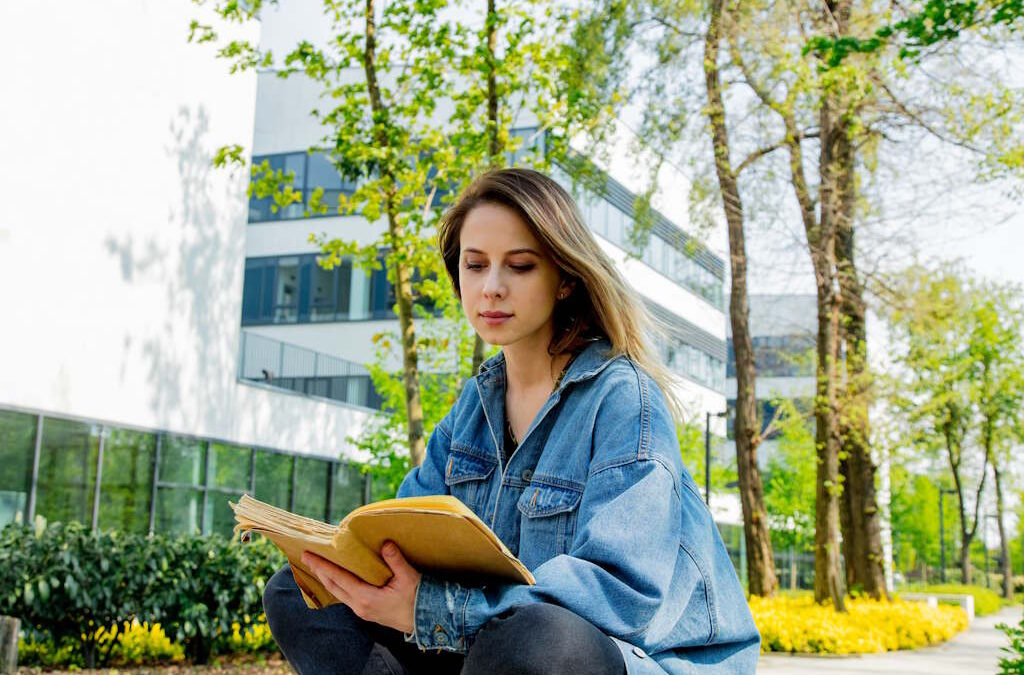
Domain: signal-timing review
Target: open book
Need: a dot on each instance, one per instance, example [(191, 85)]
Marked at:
[(436, 534)]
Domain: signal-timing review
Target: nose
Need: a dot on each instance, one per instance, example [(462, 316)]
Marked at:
[(494, 285)]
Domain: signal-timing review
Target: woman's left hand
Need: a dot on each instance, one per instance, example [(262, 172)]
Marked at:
[(389, 605)]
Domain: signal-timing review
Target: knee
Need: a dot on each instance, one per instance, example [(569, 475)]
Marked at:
[(542, 638), (282, 600)]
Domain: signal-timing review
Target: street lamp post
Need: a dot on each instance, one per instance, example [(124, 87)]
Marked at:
[(984, 543), (942, 535), (707, 452)]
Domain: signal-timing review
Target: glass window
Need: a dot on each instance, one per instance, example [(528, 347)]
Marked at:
[(286, 290), (252, 288), (296, 163), (220, 519), (323, 287), (17, 445), (344, 273), (183, 460), (67, 470), (178, 510), (127, 480), (322, 173), (229, 466), (273, 479), (348, 490), (310, 487), (615, 221)]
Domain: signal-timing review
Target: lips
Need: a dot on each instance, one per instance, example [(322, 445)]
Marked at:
[(495, 315)]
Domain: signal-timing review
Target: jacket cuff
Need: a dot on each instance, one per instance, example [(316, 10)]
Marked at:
[(440, 615)]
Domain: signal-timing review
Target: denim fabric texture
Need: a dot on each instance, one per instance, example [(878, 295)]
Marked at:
[(596, 503), (527, 640)]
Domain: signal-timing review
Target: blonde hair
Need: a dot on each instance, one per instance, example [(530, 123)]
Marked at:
[(601, 304)]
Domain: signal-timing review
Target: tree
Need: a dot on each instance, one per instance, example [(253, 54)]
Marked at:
[(761, 575), (387, 71), (996, 350), (932, 326)]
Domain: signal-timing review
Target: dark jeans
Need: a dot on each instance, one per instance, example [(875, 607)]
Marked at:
[(529, 640)]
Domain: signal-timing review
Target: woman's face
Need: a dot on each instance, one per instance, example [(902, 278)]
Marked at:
[(503, 270)]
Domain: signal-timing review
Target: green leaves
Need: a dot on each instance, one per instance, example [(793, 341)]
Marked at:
[(67, 581)]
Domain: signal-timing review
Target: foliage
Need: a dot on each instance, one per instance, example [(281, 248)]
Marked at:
[(985, 601), (691, 446), (789, 478), (914, 513), (73, 586), (936, 22), (1013, 664), (789, 624)]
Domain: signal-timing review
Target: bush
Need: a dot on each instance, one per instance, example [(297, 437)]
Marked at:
[(134, 644), (1014, 663), (799, 625), (66, 583), (985, 601)]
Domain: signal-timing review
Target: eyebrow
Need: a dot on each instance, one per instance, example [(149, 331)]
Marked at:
[(511, 252)]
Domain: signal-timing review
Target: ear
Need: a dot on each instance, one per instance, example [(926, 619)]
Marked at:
[(566, 288)]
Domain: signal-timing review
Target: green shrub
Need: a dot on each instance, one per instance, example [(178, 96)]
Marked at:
[(1014, 663), (66, 583), (985, 601)]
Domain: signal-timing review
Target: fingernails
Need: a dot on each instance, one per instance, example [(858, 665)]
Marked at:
[(390, 549)]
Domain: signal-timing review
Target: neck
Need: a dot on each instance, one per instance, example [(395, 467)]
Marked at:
[(529, 368)]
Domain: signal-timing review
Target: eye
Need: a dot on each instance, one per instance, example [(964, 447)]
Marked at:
[(473, 266), (521, 268)]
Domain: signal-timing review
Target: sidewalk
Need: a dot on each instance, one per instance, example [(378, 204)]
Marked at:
[(976, 651)]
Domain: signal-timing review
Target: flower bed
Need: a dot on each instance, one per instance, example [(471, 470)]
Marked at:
[(798, 625)]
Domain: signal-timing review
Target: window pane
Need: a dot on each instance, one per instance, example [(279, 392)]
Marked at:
[(310, 487), (273, 478), (229, 466), (220, 519), (67, 470), (344, 272), (17, 443), (182, 460), (251, 287), (348, 490), (324, 299), (177, 510), (127, 480), (323, 174), (286, 290)]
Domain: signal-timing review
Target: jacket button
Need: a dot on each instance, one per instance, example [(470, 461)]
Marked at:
[(639, 652), (440, 638), (527, 475)]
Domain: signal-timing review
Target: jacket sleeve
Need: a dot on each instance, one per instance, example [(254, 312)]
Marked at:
[(622, 556)]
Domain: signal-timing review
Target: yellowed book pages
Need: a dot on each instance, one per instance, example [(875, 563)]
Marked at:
[(436, 534)]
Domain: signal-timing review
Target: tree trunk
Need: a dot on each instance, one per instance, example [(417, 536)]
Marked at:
[(1004, 544), (402, 281), (8, 644), (862, 531), (828, 583), (495, 147), (761, 576)]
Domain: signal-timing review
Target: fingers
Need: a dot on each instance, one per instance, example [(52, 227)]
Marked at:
[(396, 561)]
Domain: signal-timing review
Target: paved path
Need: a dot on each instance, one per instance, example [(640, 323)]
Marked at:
[(976, 651)]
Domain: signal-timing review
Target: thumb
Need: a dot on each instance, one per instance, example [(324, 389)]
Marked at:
[(396, 561)]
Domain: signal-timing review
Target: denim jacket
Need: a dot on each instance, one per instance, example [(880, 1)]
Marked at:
[(596, 503)]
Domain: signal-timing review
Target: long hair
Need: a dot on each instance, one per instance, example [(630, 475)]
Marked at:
[(601, 304)]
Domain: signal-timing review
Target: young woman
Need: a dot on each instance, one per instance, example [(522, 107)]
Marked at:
[(565, 444)]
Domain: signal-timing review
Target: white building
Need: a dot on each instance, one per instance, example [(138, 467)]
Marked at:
[(182, 346)]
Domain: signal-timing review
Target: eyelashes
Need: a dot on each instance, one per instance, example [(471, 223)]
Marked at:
[(517, 268)]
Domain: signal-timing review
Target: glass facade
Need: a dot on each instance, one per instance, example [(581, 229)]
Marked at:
[(692, 363), (105, 476), (779, 356), (310, 170)]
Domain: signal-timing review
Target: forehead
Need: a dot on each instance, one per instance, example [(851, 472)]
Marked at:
[(496, 229)]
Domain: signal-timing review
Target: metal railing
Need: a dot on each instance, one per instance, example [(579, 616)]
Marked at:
[(279, 364)]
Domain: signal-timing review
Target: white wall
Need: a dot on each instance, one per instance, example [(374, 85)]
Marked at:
[(121, 248)]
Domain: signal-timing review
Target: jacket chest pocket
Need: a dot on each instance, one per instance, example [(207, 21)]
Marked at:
[(467, 475), (549, 521)]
